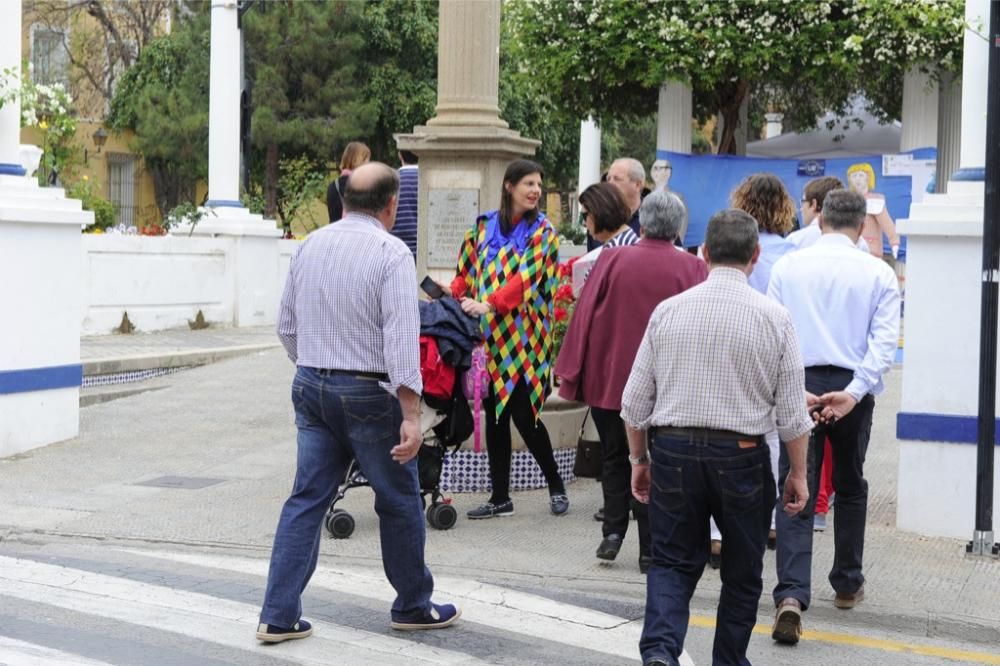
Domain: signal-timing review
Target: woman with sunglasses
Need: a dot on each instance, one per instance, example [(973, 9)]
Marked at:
[(507, 278)]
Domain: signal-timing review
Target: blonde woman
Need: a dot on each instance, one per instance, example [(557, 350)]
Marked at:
[(861, 179), (355, 154)]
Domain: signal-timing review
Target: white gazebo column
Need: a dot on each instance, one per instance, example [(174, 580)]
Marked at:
[(40, 277), (224, 107), (10, 113), (673, 118), (590, 155), (937, 420), (259, 274), (920, 111), (949, 130)]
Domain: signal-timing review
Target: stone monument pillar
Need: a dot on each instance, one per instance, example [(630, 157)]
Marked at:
[(938, 415), (258, 271), (465, 148), (920, 111), (40, 294)]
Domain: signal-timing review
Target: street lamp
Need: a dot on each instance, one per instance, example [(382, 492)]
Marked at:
[(100, 137)]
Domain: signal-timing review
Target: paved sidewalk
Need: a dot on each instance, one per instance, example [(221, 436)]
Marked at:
[(232, 421), (107, 354)]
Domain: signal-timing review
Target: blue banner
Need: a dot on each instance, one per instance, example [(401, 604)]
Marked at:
[(706, 181)]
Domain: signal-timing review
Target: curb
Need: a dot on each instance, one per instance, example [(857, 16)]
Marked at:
[(170, 359)]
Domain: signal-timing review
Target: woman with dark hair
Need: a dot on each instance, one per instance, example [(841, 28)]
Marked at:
[(507, 277), (606, 215), (355, 154)]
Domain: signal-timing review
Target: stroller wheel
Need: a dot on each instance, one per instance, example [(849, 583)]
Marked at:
[(339, 524), (442, 516)]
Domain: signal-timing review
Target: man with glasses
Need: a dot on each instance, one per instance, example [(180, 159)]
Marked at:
[(811, 209)]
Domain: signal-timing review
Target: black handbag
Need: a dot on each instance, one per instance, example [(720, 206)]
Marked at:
[(589, 457)]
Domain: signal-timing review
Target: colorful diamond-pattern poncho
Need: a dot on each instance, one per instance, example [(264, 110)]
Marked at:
[(518, 343)]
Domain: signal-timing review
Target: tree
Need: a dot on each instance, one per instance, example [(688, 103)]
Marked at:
[(97, 61), (304, 59), (399, 72), (609, 57), (163, 98)]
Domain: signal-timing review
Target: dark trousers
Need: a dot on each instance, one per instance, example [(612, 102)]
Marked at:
[(849, 444), (691, 479), (616, 478), (535, 437)]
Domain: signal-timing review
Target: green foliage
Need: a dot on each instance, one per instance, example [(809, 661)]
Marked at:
[(164, 99), (609, 57), (301, 184), (185, 213), (400, 69), (305, 61), (86, 191)]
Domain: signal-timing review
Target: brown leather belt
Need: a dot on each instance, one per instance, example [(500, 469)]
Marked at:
[(703, 434)]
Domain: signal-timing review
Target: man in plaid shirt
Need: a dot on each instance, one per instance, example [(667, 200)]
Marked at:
[(718, 367)]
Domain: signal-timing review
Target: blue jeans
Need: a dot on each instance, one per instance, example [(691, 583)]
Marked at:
[(341, 417), (693, 478)]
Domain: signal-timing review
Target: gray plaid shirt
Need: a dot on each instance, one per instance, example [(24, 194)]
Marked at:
[(721, 356), (350, 303)]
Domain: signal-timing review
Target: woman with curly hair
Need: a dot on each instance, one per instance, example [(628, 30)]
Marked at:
[(765, 198)]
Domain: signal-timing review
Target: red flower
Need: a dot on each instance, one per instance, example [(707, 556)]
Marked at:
[(561, 314), (564, 270), (572, 261), (564, 293)]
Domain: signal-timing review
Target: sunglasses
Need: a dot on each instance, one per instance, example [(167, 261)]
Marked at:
[(582, 219)]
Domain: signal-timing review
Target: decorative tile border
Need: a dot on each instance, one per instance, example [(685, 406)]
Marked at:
[(129, 377), (469, 472)]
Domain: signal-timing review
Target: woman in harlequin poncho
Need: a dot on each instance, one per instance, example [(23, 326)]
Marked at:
[(507, 277)]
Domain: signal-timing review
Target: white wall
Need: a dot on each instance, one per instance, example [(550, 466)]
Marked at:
[(937, 489), (162, 282)]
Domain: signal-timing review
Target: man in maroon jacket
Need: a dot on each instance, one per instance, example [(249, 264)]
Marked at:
[(608, 323)]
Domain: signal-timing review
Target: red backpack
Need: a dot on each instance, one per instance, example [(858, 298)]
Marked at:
[(438, 376)]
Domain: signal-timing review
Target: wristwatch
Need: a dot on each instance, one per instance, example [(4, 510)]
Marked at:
[(641, 460)]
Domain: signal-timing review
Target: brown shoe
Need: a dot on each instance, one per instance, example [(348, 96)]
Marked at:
[(787, 622), (772, 540), (847, 601)]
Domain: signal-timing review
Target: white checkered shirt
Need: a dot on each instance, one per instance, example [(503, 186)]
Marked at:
[(350, 303), (722, 356)]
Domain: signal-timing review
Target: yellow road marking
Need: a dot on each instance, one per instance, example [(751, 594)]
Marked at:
[(706, 622)]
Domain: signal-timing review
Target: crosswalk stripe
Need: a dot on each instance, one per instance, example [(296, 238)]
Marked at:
[(20, 653), (481, 603), (202, 616)]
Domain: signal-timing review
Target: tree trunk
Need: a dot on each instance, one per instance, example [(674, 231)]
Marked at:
[(170, 190), (271, 182), (730, 99)]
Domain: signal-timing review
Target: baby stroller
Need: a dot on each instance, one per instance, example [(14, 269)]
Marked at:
[(446, 423)]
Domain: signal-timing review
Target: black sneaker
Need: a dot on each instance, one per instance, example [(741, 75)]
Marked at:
[(268, 633), (645, 561), (558, 504), (491, 510), (438, 617)]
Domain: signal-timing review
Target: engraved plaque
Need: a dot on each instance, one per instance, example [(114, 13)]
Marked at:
[(452, 212)]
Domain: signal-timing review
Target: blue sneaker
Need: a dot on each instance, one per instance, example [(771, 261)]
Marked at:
[(438, 617), (269, 633), (491, 510), (558, 504)]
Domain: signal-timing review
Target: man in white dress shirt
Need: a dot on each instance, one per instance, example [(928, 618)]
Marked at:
[(811, 208), (845, 307)]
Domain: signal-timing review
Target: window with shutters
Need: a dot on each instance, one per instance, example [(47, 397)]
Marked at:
[(49, 59), (123, 177)]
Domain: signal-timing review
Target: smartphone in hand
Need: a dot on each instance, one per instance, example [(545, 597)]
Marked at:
[(432, 288)]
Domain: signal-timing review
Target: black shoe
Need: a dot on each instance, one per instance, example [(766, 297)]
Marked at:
[(610, 545), (490, 510), (599, 515), (268, 633), (645, 561), (715, 554), (558, 504)]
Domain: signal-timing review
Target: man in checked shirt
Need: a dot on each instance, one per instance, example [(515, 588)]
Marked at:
[(715, 363), (349, 321)]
